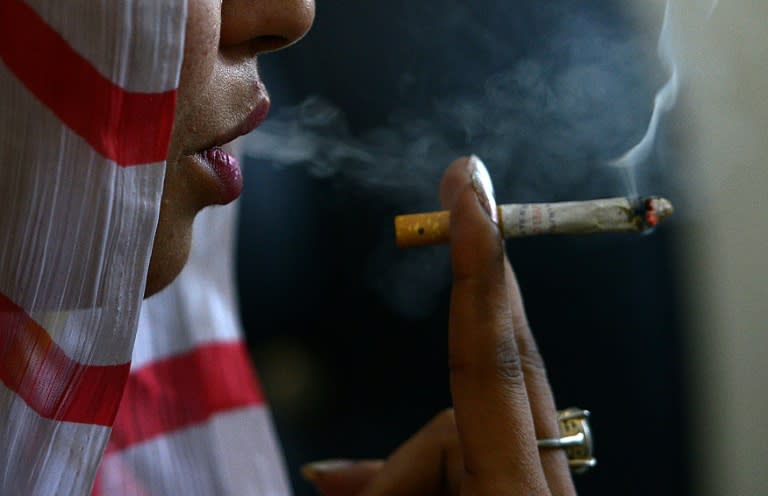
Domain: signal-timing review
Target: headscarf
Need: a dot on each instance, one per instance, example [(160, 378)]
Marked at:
[(87, 99)]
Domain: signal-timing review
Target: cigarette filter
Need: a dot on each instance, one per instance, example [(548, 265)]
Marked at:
[(533, 219)]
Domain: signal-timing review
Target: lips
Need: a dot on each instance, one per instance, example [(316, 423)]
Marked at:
[(225, 167)]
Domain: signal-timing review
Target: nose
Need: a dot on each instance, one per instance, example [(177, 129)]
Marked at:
[(266, 25)]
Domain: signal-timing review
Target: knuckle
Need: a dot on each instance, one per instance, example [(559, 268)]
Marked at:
[(533, 367), (532, 361), (508, 362), (506, 365)]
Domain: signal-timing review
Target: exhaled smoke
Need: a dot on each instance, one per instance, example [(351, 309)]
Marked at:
[(544, 126), (546, 120)]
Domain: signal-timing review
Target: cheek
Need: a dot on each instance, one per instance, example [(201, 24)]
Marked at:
[(200, 53)]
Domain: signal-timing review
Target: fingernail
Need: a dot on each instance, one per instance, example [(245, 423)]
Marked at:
[(483, 186), (310, 471)]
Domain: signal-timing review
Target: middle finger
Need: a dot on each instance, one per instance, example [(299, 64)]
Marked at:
[(542, 402)]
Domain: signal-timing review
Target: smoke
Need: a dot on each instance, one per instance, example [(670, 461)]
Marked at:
[(663, 102), (670, 54), (544, 125), (546, 112)]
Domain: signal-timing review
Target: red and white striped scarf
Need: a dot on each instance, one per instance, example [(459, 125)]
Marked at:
[(87, 98)]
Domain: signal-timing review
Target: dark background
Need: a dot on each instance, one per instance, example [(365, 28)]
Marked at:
[(349, 333)]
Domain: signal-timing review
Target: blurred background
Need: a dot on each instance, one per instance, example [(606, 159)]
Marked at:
[(349, 333)]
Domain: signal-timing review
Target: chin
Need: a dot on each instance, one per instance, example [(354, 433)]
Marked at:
[(170, 252)]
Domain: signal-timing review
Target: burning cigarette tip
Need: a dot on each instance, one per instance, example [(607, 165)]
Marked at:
[(533, 219), (655, 210)]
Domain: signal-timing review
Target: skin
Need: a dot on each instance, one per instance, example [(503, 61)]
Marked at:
[(502, 401)]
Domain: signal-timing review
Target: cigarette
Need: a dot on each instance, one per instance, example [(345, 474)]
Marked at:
[(534, 219)]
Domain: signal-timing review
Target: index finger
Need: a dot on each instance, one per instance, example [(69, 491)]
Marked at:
[(493, 414)]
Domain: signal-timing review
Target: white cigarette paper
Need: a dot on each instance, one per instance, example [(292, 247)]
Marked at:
[(533, 219)]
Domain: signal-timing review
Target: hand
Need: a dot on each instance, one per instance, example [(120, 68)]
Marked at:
[(486, 445)]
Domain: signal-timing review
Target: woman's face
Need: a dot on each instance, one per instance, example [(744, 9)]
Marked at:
[(220, 97)]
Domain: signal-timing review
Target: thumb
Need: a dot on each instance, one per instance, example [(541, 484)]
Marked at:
[(340, 477)]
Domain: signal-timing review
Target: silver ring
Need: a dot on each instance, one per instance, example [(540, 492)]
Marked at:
[(575, 438)]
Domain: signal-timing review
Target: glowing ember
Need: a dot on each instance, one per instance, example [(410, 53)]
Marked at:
[(650, 213)]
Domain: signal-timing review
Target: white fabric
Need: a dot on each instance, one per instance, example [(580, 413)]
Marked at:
[(76, 233), (228, 466), (78, 213), (142, 31), (46, 457), (235, 452), (200, 305)]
